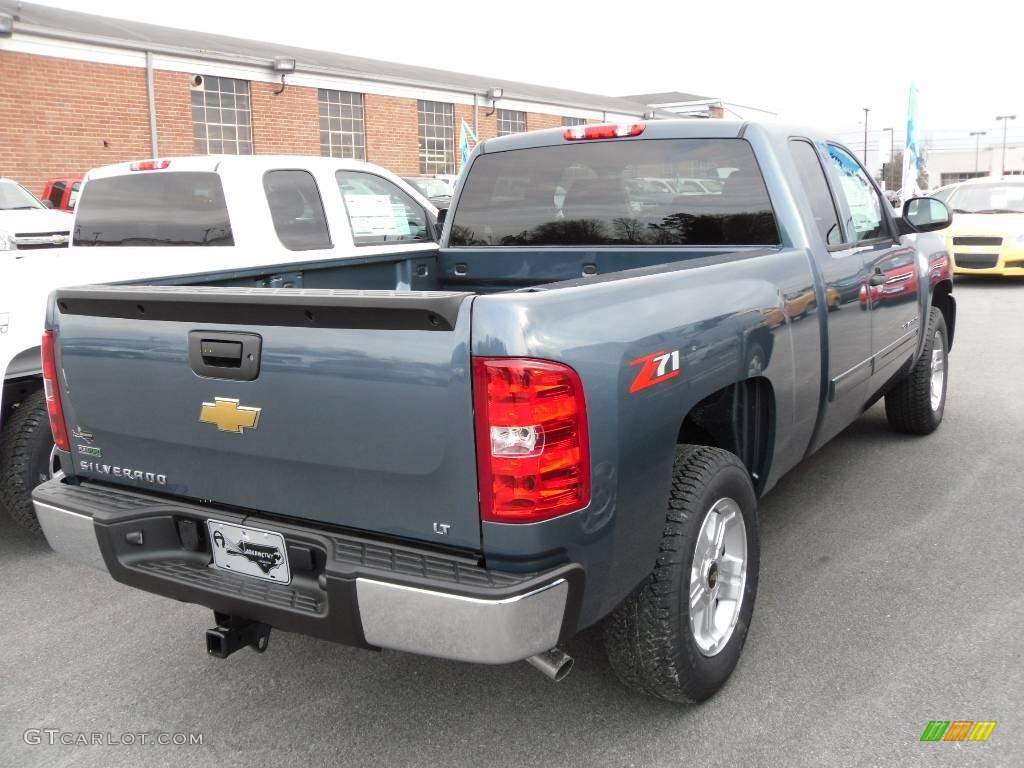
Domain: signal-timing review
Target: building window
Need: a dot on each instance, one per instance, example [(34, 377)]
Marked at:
[(953, 178), (437, 137), (341, 125), (510, 121), (221, 121), (571, 122)]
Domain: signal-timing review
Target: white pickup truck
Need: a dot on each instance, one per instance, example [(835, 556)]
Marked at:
[(261, 217)]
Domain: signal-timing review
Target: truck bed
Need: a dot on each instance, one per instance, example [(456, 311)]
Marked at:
[(398, 462)]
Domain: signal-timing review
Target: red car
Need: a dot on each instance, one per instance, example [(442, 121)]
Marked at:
[(62, 193), (900, 282)]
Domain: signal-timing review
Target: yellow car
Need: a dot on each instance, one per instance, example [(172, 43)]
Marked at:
[(987, 234)]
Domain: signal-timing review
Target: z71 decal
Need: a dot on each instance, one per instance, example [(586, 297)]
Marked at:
[(659, 367)]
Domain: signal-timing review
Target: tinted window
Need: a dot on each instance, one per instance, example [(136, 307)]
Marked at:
[(56, 193), (297, 210), (616, 193), (865, 207), (153, 209), (379, 212), (812, 176)]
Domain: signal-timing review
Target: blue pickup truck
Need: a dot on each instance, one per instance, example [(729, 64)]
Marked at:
[(562, 416)]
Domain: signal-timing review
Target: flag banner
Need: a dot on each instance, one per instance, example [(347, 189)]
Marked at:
[(466, 135), (912, 153)]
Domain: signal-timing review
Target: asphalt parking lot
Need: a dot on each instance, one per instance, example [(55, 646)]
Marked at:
[(892, 594)]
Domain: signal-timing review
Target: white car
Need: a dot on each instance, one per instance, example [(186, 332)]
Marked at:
[(180, 216), (26, 224)]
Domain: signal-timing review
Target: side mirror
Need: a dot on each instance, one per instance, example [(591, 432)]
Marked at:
[(46, 203), (439, 224), (924, 214)]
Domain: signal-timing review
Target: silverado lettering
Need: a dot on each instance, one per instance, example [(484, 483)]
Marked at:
[(125, 472)]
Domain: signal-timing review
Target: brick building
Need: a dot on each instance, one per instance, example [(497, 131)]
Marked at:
[(80, 91)]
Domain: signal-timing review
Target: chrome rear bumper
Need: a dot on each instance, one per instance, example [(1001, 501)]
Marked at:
[(70, 534), (499, 618), (461, 628)]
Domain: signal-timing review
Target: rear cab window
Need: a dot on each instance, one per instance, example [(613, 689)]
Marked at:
[(178, 208), (296, 210), (57, 193), (652, 192), (812, 177)]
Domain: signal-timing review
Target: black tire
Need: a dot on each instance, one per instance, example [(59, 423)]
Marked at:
[(648, 638), (25, 447), (908, 406)]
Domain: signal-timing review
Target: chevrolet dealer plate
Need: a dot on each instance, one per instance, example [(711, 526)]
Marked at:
[(249, 551)]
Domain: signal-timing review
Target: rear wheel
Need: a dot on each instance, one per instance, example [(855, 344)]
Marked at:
[(680, 634), (26, 458), (916, 405)]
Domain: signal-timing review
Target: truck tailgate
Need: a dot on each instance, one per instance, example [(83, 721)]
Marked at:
[(364, 404)]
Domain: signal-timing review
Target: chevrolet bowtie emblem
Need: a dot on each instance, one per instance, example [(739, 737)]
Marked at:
[(58, 239), (229, 416)]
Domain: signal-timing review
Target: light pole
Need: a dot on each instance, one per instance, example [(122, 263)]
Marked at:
[(1004, 118), (866, 110), (977, 145), (892, 156)]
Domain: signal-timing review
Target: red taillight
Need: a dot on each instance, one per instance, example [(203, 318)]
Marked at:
[(533, 451), (150, 165), (616, 131), (52, 390)]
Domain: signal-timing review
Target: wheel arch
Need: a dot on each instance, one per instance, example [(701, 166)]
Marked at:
[(739, 418), (14, 391), (942, 299)]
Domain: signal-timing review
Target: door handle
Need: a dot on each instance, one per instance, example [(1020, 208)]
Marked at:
[(219, 355)]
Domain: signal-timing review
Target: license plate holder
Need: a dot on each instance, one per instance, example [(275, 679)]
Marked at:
[(254, 552)]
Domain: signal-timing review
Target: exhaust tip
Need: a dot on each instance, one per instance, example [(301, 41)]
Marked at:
[(555, 664)]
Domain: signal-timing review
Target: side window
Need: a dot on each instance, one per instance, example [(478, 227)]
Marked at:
[(861, 198), (297, 210), (73, 197), (812, 176), (379, 212), (57, 193)]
